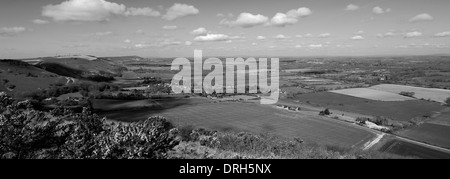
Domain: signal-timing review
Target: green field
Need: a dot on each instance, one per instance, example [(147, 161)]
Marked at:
[(397, 110), (25, 78), (403, 148), (430, 133), (438, 95), (254, 118)]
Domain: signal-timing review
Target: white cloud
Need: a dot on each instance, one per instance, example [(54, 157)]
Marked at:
[(40, 21), (291, 17), (352, 7), (212, 37), (281, 20), (442, 34), (169, 27), (421, 17), (281, 36), (308, 35), (127, 41), (141, 45), (299, 36), (146, 11), (169, 42), (83, 10), (92, 10), (161, 42), (220, 15), (358, 37), (246, 20), (12, 31), (316, 46), (140, 32), (188, 43), (107, 33), (324, 35), (199, 31), (180, 10), (413, 34), (379, 10), (298, 46), (360, 32), (261, 38), (387, 34)]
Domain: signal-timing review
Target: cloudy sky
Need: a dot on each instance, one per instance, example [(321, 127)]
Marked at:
[(174, 28)]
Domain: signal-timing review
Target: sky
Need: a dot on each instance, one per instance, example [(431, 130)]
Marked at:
[(175, 28)]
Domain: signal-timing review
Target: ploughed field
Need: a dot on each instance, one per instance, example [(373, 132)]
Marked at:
[(397, 110), (254, 118), (372, 94), (438, 95), (435, 132), (403, 148)]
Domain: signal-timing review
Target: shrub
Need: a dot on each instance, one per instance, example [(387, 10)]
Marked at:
[(185, 132), (10, 86), (27, 133), (407, 94), (325, 112)]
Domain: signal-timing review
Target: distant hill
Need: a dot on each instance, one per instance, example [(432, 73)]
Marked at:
[(80, 67), (18, 78), (122, 59)]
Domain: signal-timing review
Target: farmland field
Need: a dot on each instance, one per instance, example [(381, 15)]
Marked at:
[(398, 110), (254, 118), (403, 148), (443, 118), (430, 133), (170, 102), (376, 95), (438, 95)]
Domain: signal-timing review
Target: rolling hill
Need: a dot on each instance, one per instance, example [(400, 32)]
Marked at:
[(80, 67), (18, 78)]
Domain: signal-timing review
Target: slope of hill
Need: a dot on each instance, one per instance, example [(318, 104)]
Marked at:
[(18, 78), (97, 65), (81, 67), (124, 58)]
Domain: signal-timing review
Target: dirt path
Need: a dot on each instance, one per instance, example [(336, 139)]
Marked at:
[(379, 135), (69, 80), (370, 144)]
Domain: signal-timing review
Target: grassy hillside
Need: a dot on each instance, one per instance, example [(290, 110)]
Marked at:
[(123, 59), (80, 67), (18, 78)]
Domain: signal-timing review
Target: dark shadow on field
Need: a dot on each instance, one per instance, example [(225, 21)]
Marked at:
[(409, 149), (132, 115)]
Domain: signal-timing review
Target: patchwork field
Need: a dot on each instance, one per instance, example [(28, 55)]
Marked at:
[(435, 131), (254, 118), (372, 94), (430, 133), (438, 95), (442, 119), (398, 110), (159, 104), (403, 148)]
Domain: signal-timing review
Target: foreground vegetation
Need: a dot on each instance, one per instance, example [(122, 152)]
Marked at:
[(28, 133)]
